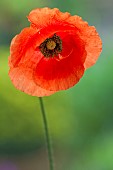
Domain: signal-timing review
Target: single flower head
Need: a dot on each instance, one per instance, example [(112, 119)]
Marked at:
[(53, 53)]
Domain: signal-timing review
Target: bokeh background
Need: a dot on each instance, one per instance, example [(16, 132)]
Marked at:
[(80, 119)]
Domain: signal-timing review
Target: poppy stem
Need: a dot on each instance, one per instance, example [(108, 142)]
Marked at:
[(47, 136)]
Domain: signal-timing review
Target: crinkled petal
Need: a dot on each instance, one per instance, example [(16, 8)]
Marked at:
[(41, 17), (90, 36), (54, 76), (20, 44), (22, 79)]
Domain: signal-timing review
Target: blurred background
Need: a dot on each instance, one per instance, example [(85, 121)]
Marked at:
[(80, 119)]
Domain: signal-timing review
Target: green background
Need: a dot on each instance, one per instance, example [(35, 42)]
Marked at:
[(80, 119)]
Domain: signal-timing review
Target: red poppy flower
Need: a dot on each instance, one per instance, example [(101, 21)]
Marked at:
[(53, 53)]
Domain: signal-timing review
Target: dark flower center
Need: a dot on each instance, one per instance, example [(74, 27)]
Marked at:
[(51, 46)]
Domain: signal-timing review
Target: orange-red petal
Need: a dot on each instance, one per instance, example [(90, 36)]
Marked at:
[(42, 17), (20, 44), (91, 38), (22, 79)]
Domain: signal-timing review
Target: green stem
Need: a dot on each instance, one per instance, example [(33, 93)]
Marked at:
[(50, 157)]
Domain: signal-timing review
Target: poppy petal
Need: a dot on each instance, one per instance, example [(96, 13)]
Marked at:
[(19, 45), (22, 80), (90, 36), (41, 17), (53, 76)]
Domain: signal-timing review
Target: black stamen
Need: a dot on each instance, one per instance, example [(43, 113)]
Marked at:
[(51, 46)]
